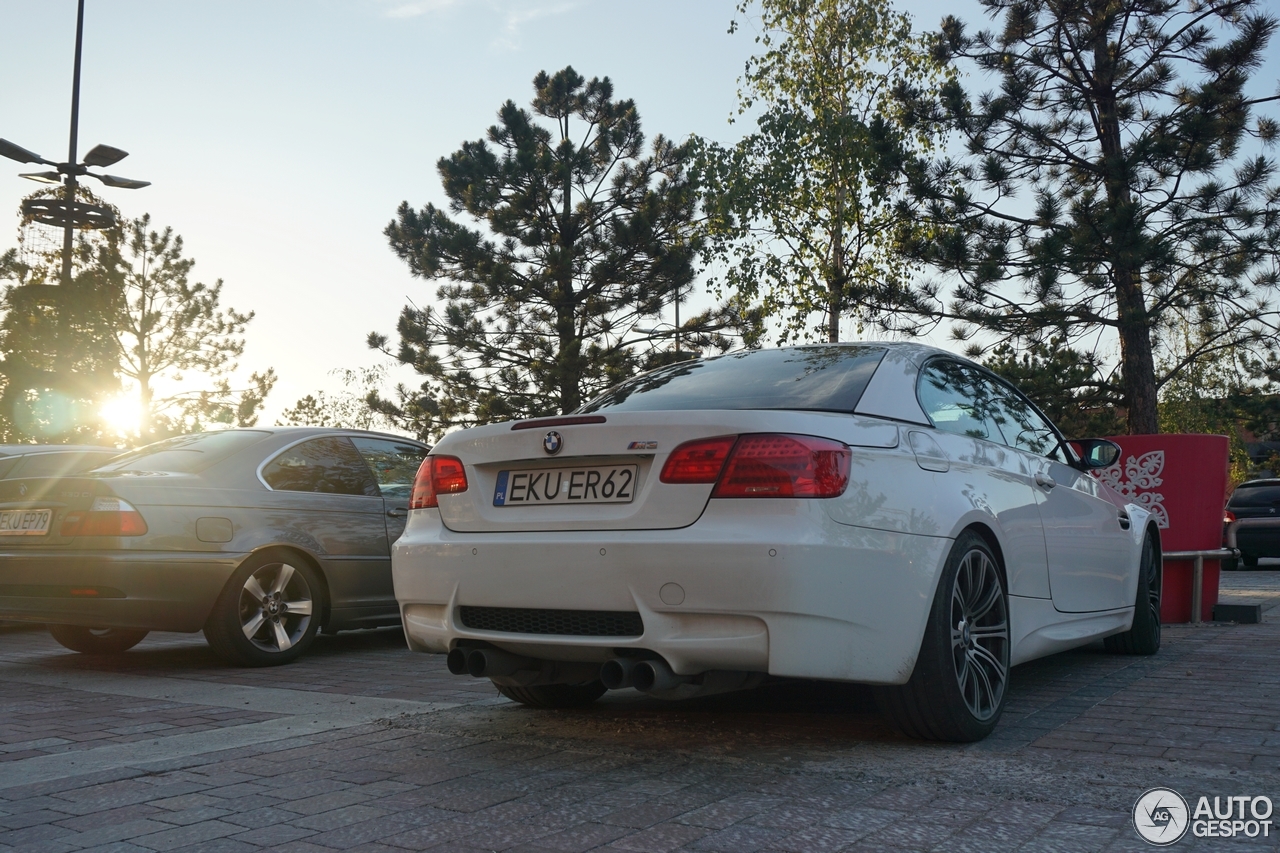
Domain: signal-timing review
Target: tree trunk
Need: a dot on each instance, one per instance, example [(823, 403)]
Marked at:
[(144, 400), (569, 362), (839, 276), (1124, 234), (1136, 358)]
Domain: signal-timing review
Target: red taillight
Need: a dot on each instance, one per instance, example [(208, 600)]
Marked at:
[(785, 466), (437, 475), (106, 517), (1228, 516), (698, 461)]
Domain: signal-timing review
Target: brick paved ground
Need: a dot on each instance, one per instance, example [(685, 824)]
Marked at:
[(364, 746)]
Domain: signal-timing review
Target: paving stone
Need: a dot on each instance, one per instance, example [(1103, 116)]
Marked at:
[(786, 768)]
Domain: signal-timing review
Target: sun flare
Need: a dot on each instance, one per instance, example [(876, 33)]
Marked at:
[(122, 414)]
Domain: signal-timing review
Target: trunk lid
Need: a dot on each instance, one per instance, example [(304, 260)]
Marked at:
[(20, 498), (513, 455)]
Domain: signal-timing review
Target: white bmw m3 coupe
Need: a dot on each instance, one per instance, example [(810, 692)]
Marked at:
[(883, 513)]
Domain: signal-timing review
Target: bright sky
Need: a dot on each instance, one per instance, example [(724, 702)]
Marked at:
[(281, 136)]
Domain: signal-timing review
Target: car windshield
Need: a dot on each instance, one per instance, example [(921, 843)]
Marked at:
[(186, 454), (824, 378)]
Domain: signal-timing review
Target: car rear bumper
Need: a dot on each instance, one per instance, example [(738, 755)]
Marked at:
[(771, 586), (1258, 541), (158, 591)]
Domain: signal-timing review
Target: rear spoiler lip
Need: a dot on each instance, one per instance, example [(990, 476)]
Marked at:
[(571, 420)]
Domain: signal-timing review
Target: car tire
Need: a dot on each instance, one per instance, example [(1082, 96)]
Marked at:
[(1249, 562), (97, 641), (555, 696), (268, 613), (958, 687), (1143, 638), (1230, 564)]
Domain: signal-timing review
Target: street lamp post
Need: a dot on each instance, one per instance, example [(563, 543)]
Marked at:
[(676, 304), (67, 212)]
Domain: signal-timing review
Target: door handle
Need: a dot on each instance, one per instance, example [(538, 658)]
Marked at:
[(1045, 482), (1124, 521), (398, 512)]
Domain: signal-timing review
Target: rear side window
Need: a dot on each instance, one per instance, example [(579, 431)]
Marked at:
[(965, 401), (959, 400), (1259, 496), (187, 454), (394, 463), (330, 466), (813, 378)]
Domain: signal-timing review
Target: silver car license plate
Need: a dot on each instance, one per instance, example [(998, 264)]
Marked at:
[(25, 522), (597, 484)]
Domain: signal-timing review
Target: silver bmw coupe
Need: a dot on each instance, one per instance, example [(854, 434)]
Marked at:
[(258, 537)]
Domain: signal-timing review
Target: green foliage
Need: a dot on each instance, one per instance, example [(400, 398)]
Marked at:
[(169, 328), (578, 231), (56, 371), (1069, 386), (131, 313), (348, 408), (1114, 178), (807, 213), (1217, 393)]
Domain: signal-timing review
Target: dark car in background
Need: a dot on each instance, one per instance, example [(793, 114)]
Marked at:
[(259, 537), (51, 460), (1255, 499)]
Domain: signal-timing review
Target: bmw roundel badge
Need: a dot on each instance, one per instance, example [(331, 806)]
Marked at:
[(552, 443)]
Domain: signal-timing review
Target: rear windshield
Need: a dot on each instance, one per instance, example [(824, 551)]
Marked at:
[(187, 454), (1261, 495), (823, 378)]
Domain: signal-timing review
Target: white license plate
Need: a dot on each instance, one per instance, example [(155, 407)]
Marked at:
[(25, 522), (601, 484)]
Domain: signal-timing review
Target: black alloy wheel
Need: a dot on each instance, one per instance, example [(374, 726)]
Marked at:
[(960, 682), (1143, 637)]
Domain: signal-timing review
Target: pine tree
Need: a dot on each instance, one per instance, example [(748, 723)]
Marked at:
[(564, 229), (1116, 179)]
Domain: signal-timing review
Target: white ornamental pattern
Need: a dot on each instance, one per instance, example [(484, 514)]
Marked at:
[(1136, 481)]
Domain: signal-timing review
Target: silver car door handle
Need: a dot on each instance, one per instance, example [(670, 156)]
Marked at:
[(1045, 482), (1124, 521), (398, 512)]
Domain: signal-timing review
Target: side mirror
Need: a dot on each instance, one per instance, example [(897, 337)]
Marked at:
[(1096, 452)]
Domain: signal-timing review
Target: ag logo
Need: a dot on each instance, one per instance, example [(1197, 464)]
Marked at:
[(552, 443), (1161, 816)]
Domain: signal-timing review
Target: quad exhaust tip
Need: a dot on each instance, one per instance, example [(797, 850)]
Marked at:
[(617, 674), (644, 675), (487, 663), (457, 661)]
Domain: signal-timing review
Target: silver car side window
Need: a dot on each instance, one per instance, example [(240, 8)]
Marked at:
[(329, 465), (394, 463)]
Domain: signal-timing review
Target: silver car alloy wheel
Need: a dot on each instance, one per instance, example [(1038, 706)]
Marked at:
[(980, 634), (275, 607)]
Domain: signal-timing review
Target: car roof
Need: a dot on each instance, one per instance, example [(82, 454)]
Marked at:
[(306, 431), (7, 450)]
